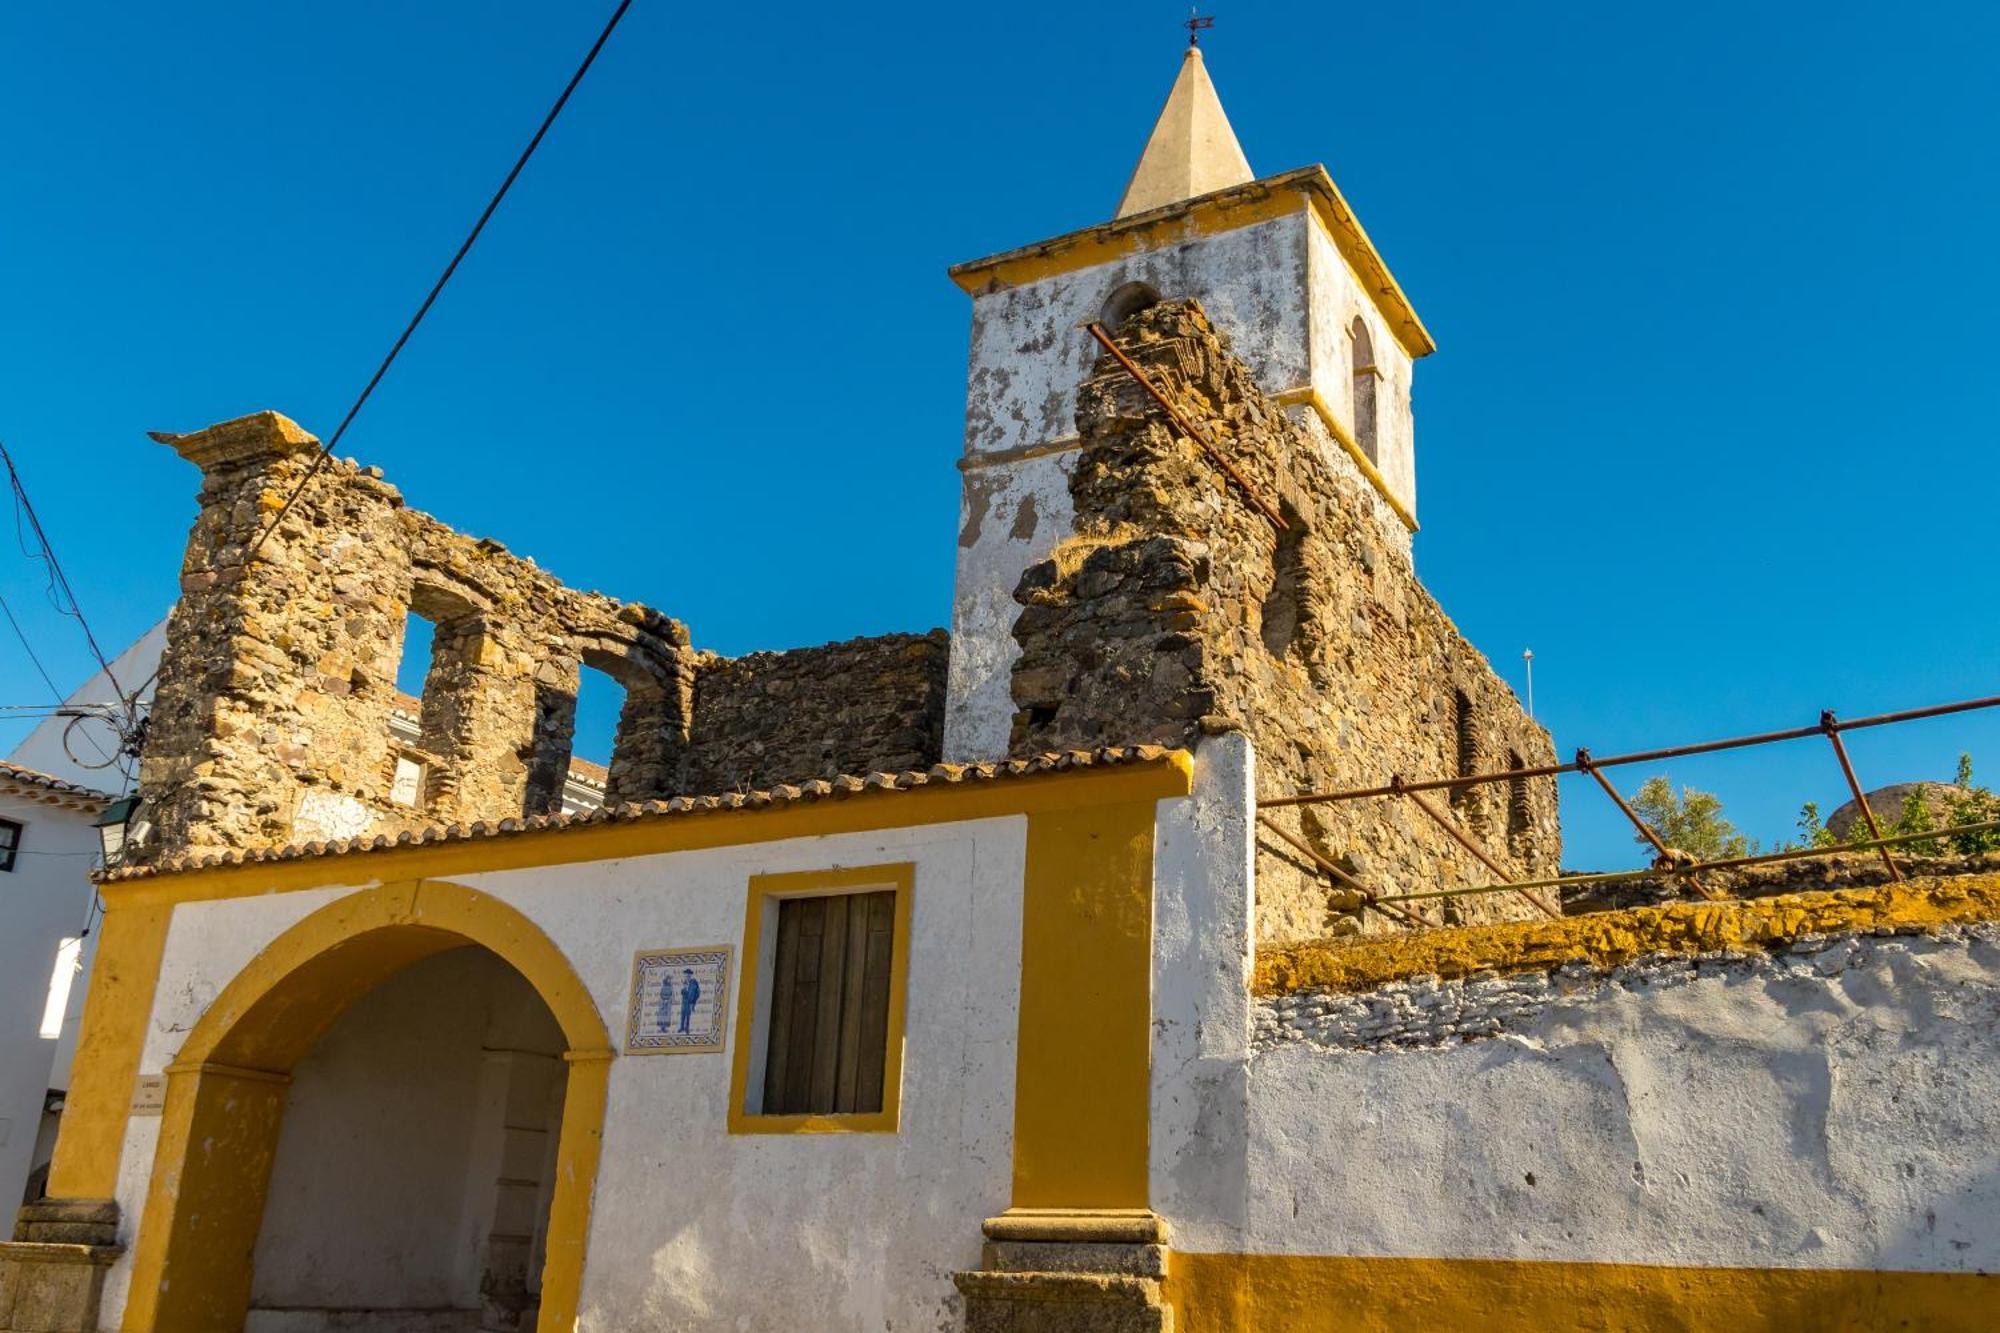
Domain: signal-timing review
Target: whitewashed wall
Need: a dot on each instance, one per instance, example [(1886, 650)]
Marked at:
[(1836, 1106), (44, 899), (689, 1221), (1285, 298)]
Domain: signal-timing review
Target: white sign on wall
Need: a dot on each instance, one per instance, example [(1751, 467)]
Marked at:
[(677, 1004), (149, 1094)]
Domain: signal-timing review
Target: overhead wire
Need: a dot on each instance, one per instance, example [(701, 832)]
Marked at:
[(29, 649), (333, 441), (60, 591)]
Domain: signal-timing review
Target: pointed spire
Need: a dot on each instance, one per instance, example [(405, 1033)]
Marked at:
[(1192, 150)]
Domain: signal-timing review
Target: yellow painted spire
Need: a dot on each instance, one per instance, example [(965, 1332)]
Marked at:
[(1192, 150)]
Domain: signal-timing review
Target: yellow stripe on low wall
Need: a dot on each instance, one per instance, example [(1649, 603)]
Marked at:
[(1610, 938), (1263, 1293)]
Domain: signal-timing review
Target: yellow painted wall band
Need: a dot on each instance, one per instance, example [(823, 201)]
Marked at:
[(1082, 1080), (1230, 1293)]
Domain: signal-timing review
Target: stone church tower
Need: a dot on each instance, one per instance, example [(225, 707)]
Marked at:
[(1282, 267)]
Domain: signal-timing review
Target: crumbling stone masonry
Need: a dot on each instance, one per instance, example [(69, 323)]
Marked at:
[(271, 722), (1177, 608)]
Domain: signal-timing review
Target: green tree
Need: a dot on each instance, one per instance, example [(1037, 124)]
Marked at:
[(1690, 821)]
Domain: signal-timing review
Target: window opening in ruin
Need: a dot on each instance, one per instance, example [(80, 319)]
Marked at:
[(1467, 743), (599, 701), (1519, 815), (419, 637), (1127, 301), (1284, 611), (410, 773), (1366, 378)]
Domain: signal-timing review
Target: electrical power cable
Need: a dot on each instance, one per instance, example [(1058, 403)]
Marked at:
[(333, 441)]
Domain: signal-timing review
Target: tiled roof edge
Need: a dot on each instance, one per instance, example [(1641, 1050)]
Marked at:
[(639, 811), (33, 777)]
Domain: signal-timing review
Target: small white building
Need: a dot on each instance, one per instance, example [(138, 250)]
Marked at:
[(47, 849)]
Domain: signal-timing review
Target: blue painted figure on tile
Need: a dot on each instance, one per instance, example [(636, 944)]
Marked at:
[(690, 992)]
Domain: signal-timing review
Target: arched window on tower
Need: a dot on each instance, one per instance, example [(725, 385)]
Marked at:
[(1127, 301), (1366, 377)]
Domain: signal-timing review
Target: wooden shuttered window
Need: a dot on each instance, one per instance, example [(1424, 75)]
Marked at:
[(829, 1034)]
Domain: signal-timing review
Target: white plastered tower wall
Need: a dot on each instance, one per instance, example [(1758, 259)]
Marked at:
[(1263, 259)]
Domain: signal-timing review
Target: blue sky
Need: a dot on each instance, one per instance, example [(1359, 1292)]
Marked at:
[(1711, 429)]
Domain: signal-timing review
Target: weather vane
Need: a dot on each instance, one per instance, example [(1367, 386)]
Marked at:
[(1196, 22)]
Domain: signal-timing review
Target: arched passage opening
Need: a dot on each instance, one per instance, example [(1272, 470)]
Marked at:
[(365, 1030)]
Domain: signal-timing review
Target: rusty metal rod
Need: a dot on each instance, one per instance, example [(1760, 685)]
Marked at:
[(1636, 757), (1665, 853), (1188, 428), (1451, 826), (1369, 897), (1733, 863), (1830, 724)]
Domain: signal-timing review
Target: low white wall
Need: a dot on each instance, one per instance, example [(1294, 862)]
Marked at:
[(691, 1224), (1833, 1106)]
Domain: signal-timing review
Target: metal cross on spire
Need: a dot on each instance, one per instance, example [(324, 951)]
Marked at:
[(1196, 22)]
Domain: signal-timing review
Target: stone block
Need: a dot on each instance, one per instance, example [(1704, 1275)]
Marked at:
[(52, 1288)]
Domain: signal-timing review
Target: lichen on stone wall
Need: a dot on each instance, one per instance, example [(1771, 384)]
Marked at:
[(1609, 939), (1179, 609), (784, 717), (271, 721), (1431, 1012)]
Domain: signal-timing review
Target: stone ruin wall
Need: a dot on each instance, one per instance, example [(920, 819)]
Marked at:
[(868, 705), (271, 719), (1177, 609)]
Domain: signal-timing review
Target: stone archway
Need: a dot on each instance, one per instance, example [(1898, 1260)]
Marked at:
[(226, 1094)]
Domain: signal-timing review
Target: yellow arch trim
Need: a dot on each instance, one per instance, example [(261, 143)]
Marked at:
[(225, 1093)]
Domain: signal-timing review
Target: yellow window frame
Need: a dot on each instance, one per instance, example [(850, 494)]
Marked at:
[(753, 1001)]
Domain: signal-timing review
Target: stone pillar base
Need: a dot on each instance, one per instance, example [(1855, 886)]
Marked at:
[(1059, 1271), (52, 1272)]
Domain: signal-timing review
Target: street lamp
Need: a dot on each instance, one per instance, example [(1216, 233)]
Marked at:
[(112, 827)]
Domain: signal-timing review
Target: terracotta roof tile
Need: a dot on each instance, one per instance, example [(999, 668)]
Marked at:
[(640, 811), (30, 777)]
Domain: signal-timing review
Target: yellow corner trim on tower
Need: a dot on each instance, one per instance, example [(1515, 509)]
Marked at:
[(1307, 396), (752, 1004), (1309, 188)]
